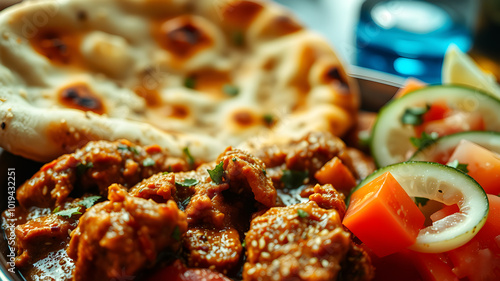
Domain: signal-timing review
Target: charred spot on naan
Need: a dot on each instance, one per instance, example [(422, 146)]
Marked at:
[(236, 18), (183, 36), (280, 26), (80, 96), (59, 46)]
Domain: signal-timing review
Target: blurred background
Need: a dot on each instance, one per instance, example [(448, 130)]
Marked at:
[(406, 37), (402, 38)]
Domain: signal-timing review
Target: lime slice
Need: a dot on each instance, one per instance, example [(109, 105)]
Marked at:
[(448, 186), (444, 146), (390, 140), (459, 68)]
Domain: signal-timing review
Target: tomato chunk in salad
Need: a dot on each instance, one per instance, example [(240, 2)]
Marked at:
[(383, 216)]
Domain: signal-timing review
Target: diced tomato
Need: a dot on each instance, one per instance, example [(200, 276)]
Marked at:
[(479, 259), (483, 165), (453, 123), (383, 216), (337, 174), (433, 267), (437, 111), (394, 267), (410, 85), (412, 266), (179, 272), (444, 212)]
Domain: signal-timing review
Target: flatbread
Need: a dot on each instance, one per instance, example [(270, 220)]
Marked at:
[(178, 73)]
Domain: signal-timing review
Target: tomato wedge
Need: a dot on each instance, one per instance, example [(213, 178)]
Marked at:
[(479, 259), (383, 216), (483, 165)]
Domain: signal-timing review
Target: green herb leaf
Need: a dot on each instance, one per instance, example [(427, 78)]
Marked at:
[(89, 201), (301, 213), (186, 201), (424, 140), (231, 90), (82, 167), (190, 82), (459, 166), (69, 212), (217, 174), (293, 179), (187, 182), (190, 157), (124, 147), (56, 210), (268, 119), (238, 38), (414, 115), (176, 234), (421, 201), (244, 244), (148, 162)]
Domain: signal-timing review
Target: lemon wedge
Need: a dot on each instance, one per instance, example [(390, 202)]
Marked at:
[(459, 68)]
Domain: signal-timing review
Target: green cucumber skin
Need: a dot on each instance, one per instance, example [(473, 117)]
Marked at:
[(487, 139), (391, 111), (414, 166)]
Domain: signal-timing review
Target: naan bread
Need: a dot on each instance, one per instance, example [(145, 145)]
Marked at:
[(178, 73)]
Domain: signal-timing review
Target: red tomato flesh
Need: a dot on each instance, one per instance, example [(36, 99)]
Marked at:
[(483, 165), (383, 216), (479, 259)]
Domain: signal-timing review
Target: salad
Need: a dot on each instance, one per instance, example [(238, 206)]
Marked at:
[(430, 211)]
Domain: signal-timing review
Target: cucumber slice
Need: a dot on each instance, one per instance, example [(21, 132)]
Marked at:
[(390, 139), (446, 185), (444, 146)]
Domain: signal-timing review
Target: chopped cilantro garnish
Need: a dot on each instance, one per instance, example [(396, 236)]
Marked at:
[(190, 82), (186, 201), (293, 179), (89, 201), (176, 234), (187, 182), (268, 119), (244, 243), (124, 147), (217, 174), (421, 201), (424, 140), (148, 162), (165, 173), (414, 115), (459, 166), (301, 213), (231, 90), (190, 157), (238, 38), (82, 167), (67, 213)]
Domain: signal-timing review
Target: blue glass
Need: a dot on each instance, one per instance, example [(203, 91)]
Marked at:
[(408, 38)]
